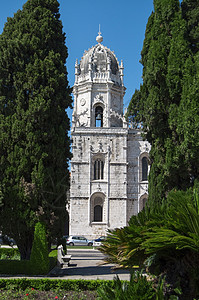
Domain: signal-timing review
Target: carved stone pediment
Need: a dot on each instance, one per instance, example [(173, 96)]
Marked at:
[(98, 99)]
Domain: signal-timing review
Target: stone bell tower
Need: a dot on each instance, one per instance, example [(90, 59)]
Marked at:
[(105, 165), (98, 89)]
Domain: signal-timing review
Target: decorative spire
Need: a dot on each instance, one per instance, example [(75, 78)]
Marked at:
[(76, 71), (121, 71), (99, 38)]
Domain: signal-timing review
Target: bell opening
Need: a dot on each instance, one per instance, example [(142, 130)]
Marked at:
[(99, 116)]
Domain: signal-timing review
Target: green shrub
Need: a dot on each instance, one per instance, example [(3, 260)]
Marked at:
[(39, 260), (9, 253), (53, 253), (53, 284), (138, 288), (16, 267)]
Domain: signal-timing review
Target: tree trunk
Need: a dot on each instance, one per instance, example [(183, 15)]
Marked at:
[(25, 249)]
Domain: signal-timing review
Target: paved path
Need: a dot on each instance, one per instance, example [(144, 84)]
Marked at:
[(86, 264)]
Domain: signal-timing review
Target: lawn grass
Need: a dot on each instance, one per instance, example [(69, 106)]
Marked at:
[(53, 247), (79, 247)]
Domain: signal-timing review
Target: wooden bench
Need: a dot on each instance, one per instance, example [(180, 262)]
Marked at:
[(62, 258)]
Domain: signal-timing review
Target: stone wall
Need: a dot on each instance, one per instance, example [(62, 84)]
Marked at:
[(121, 187)]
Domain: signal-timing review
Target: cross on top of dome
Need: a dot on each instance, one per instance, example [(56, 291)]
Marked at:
[(99, 38)]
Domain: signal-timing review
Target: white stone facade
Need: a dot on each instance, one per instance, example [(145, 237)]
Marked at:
[(109, 167)]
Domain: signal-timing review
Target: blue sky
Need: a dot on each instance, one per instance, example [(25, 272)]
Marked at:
[(123, 25)]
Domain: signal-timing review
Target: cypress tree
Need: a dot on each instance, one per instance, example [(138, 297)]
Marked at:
[(165, 53), (34, 144), (188, 114), (39, 255), (190, 11), (188, 120)]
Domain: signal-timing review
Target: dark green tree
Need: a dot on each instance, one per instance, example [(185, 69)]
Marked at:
[(190, 11), (34, 142), (158, 105), (188, 111)]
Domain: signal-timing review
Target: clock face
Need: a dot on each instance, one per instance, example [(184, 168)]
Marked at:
[(82, 101)]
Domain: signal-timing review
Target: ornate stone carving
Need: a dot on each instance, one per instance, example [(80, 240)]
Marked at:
[(146, 147), (83, 101), (115, 114), (99, 187), (98, 99), (144, 188), (81, 119), (100, 147)]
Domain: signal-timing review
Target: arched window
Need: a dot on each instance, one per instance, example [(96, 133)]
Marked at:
[(98, 116), (142, 202), (98, 213), (144, 169), (97, 206), (98, 169)]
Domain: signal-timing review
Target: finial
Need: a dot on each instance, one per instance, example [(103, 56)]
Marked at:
[(99, 38)]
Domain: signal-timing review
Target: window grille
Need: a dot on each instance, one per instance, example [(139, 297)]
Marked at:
[(98, 169)]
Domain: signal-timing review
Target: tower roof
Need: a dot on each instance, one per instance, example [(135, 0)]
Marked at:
[(100, 58)]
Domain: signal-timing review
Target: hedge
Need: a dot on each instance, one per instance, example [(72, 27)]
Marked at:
[(53, 284), (24, 267), (9, 252)]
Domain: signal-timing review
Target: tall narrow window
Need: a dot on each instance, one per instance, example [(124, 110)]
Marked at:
[(142, 203), (97, 207), (98, 213), (98, 169), (99, 116), (144, 168)]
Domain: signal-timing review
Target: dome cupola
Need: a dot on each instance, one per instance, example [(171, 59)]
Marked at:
[(99, 62)]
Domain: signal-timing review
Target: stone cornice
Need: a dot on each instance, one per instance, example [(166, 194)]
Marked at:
[(100, 131)]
